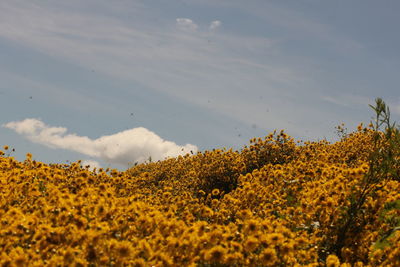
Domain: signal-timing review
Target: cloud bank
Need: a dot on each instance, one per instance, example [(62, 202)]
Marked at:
[(124, 148)]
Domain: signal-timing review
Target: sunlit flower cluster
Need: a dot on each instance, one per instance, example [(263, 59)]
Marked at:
[(276, 202)]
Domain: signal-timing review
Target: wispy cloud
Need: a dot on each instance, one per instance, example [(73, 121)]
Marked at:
[(167, 56), (215, 24), (277, 13), (192, 67), (124, 148), (348, 100), (186, 24)]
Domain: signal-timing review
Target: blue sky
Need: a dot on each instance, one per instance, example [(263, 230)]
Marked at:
[(191, 74)]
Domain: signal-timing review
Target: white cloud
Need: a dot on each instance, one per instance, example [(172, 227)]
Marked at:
[(215, 24), (91, 163), (186, 24), (125, 148)]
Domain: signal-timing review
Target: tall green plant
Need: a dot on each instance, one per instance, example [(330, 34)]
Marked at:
[(383, 165)]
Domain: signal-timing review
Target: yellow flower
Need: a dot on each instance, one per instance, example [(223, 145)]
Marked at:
[(332, 261), (251, 226), (330, 202), (207, 212), (268, 257), (275, 238), (251, 244), (69, 256), (20, 261), (244, 214), (236, 246), (215, 254), (214, 202), (215, 192), (123, 249), (167, 194), (233, 258), (287, 247)]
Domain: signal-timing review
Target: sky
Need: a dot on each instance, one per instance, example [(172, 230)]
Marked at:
[(117, 82)]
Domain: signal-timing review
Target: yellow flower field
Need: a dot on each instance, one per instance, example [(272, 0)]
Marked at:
[(276, 202)]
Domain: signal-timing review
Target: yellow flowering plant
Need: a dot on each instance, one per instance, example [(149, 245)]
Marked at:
[(276, 202)]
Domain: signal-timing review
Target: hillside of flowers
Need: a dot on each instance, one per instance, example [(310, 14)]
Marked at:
[(275, 202)]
